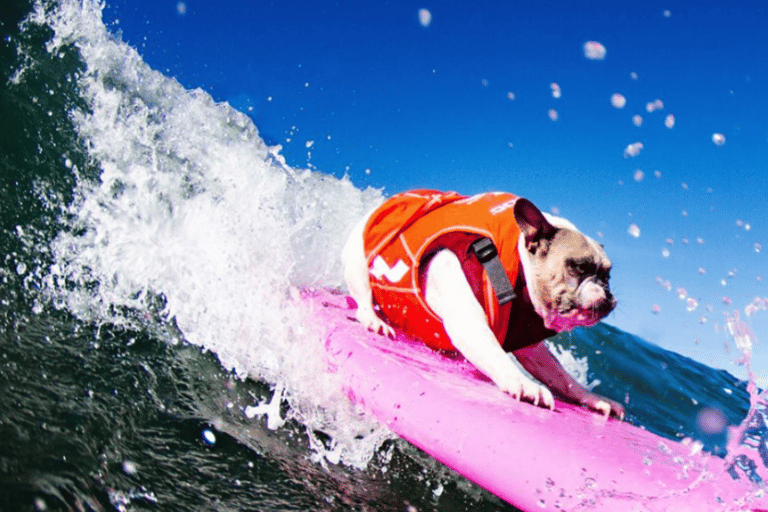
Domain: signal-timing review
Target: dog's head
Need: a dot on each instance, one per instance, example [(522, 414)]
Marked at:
[(566, 272)]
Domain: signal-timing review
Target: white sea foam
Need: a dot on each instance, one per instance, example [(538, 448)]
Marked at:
[(194, 207), (577, 367)]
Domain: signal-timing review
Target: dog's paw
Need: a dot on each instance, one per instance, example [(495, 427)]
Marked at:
[(370, 321), (523, 388), (603, 405)]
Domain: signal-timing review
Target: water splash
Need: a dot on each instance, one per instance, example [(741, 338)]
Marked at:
[(194, 220), (748, 442)]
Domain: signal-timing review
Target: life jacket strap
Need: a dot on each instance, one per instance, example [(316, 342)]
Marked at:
[(488, 256)]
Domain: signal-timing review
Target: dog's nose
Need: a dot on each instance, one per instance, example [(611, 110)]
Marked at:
[(594, 296)]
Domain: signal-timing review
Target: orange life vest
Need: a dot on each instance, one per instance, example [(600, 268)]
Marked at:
[(405, 231)]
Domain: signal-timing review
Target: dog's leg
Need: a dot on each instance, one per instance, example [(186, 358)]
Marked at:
[(449, 295), (539, 362), (356, 276)]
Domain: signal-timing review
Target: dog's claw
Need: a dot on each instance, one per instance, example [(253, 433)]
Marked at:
[(373, 323), (523, 389)]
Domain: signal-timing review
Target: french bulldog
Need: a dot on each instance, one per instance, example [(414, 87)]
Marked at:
[(566, 283)]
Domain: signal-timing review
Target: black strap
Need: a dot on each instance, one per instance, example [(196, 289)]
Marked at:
[(488, 256)]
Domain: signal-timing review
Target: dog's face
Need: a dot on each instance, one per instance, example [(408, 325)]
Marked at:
[(567, 273)]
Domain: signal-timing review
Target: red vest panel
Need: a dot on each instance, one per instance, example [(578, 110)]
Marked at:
[(405, 231)]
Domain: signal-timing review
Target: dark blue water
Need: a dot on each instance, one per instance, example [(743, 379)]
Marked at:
[(124, 384)]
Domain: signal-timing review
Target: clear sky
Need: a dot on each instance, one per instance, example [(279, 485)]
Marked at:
[(461, 95)]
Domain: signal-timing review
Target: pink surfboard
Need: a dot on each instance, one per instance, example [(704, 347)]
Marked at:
[(533, 458)]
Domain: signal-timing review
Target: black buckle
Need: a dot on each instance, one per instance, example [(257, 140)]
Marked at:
[(484, 250), (488, 256)]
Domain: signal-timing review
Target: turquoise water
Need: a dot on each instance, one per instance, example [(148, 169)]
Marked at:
[(150, 243)]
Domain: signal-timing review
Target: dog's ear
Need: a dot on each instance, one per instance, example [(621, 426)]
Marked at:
[(534, 226)]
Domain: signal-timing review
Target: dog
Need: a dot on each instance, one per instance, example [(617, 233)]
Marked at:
[(563, 284)]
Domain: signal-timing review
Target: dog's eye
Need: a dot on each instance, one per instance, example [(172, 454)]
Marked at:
[(580, 268)]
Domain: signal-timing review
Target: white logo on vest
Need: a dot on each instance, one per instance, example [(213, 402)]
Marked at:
[(393, 275)]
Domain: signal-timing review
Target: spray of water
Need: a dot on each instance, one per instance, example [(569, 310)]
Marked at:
[(192, 219)]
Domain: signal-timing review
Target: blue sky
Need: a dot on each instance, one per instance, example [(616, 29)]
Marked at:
[(399, 104)]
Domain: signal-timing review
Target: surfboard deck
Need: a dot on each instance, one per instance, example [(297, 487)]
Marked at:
[(533, 458)]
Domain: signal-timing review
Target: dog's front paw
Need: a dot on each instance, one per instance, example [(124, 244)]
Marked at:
[(523, 388), (370, 321), (603, 405)]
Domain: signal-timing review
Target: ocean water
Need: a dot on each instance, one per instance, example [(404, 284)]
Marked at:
[(151, 357)]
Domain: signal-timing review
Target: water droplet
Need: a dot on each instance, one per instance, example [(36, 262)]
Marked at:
[(618, 100), (718, 139), (665, 252), (209, 437), (632, 150), (556, 92), (129, 467), (656, 309), (181, 8), (639, 175), (425, 17), (633, 75), (634, 230), (682, 293), (758, 247), (669, 121), (637, 120), (594, 50), (553, 115), (510, 96), (653, 106), (691, 304)]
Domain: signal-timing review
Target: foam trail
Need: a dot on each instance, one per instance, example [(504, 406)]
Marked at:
[(193, 218)]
